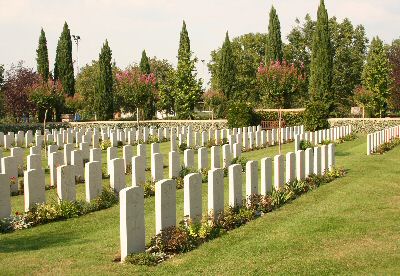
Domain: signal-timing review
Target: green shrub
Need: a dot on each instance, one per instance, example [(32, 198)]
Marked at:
[(182, 147), (143, 259), (316, 116), (149, 188), (105, 144), (241, 161), (240, 114), (305, 145), (387, 146), (173, 240)]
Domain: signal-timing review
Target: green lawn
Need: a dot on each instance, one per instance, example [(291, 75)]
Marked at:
[(350, 226)]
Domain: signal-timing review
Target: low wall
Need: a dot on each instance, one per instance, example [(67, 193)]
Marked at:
[(367, 125), (5, 128), (198, 125)]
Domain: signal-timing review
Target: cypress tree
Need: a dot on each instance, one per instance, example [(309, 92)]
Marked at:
[(273, 49), (227, 70), (42, 58), (144, 64), (63, 67), (376, 76), (321, 66), (104, 104), (187, 90)]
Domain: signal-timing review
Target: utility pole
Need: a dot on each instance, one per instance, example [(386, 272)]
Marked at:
[(76, 39)]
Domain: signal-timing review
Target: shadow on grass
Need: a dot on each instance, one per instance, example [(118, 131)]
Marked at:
[(11, 243), (342, 153)]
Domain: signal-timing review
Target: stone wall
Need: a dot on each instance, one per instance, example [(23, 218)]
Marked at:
[(197, 125), (367, 125)]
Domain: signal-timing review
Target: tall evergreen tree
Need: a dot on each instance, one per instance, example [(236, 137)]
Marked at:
[(42, 58), (376, 76), (227, 70), (63, 67), (104, 88), (273, 49), (144, 64), (187, 88), (321, 61)]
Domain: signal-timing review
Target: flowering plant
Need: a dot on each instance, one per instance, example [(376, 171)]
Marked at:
[(279, 82), (13, 180), (135, 90)]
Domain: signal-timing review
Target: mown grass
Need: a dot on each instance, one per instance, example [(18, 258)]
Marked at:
[(350, 226)]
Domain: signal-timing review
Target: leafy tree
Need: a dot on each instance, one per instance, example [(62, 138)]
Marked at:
[(1, 76), (364, 98), (18, 80), (350, 45), (248, 52), (227, 70), (46, 96), (394, 58), (136, 90), (63, 67), (321, 61), (315, 116), (298, 50), (376, 76), (187, 89), (144, 64), (279, 84), (104, 104), (86, 82), (349, 51), (273, 50), (1, 90), (216, 102), (42, 58)]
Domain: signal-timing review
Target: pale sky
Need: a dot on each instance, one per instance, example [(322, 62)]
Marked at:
[(131, 26)]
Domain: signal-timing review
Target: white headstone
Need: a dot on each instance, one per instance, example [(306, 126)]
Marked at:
[(157, 167), (165, 203), (132, 226), (215, 192), (235, 185), (138, 171), (34, 188), (93, 184), (117, 174), (309, 162), (266, 175), (251, 178), (300, 166), (215, 157), (174, 164), (279, 172), (5, 198), (77, 162), (66, 183), (192, 197), (188, 156), (202, 161)]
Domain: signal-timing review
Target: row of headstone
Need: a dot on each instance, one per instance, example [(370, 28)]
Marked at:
[(317, 137), (376, 139), (298, 165)]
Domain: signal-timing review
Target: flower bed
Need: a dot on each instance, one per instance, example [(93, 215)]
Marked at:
[(189, 235), (49, 212)]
